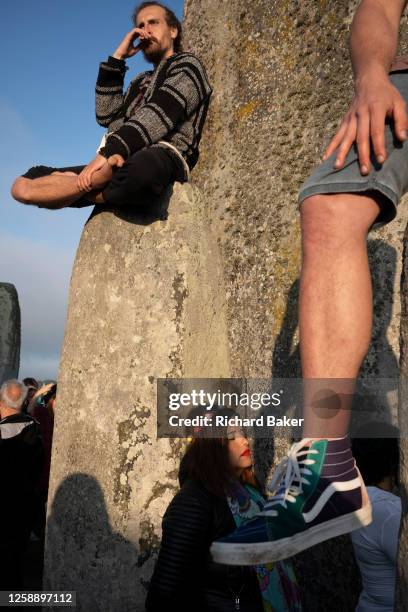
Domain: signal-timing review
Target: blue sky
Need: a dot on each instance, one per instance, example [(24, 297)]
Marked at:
[(51, 51)]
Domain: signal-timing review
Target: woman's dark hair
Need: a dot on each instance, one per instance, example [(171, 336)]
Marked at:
[(207, 461), (30, 382), (377, 457), (171, 20)]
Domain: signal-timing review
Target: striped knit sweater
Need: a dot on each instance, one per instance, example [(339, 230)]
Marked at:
[(168, 104)]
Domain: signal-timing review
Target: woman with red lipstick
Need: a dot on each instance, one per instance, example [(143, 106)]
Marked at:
[(218, 491)]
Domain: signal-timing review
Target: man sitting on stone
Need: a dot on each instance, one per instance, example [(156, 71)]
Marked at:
[(154, 128), (21, 460)]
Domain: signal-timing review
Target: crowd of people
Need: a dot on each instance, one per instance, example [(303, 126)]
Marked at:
[(26, 429), (218, 492)]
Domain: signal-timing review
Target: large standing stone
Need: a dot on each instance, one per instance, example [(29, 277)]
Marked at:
[(402, 573), (282, 80), (10, 332), (146, 301)]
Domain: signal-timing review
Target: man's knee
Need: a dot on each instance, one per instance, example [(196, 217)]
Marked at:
[(21, 190), (332, 220)]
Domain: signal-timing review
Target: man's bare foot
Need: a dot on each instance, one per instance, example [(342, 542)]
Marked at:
[(100, 178), (96, 196), (116, 161), (68, 173)]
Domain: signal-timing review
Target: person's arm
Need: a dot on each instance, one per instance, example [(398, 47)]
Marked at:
[(109, 90), (389, 536), (183, 90), (109, 85), (185, 543), (109, 94), (374, 42)]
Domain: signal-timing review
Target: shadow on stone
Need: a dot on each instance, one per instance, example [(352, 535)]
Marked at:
[(143, 212), (96, 560), (285, 364), (286, 353)]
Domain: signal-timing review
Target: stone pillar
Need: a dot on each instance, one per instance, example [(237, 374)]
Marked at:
[(402, 571), (10, 332), (146, 301), (282, 80)]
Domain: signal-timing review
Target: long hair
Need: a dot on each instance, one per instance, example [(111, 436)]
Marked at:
[(207, 461), (171, 20)]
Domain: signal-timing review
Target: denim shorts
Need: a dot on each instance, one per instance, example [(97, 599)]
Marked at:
[(389, 179)]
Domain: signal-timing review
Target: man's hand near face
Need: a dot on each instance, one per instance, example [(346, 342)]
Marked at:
[(374, 40), (127, 47)]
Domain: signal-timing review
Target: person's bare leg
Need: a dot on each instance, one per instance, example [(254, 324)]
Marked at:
[(335, 317), (312, 504), (58, 189)]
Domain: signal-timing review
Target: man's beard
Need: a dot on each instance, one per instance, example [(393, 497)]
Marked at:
[(153, 56)]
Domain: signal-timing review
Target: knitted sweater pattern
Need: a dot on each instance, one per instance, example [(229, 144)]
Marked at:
[(168, 104)]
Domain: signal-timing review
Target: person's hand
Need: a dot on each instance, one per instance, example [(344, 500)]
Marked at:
[(376, 98), (116, 161), (127, 47), (84, 179)]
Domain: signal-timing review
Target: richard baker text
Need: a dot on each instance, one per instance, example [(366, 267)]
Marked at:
[(269, 420)]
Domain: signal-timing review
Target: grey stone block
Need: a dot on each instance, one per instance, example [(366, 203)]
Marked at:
[(10, 332)]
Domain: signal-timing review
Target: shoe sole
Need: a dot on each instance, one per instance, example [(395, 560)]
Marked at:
[(268, 552)]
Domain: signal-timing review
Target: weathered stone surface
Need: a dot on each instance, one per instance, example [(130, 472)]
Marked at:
[(146, 301), (402, 572), (10, 332), (282, 80)]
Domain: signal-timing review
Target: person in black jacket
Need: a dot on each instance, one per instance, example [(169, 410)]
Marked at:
[(214, 475), (21, 458)]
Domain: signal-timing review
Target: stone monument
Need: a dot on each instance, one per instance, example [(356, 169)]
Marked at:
[(10, 332), (211, 291)]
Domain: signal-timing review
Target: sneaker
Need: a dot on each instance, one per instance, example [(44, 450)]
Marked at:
[(319, 494)]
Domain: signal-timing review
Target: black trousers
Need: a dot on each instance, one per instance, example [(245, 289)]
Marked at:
[(143, 176)]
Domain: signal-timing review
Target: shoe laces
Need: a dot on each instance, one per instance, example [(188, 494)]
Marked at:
[(289, 477)]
